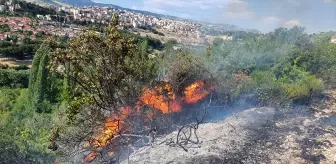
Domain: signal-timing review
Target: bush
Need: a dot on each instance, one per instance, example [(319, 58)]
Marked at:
[(304, 89), (329, 77), (25, 134), (14, 79), (8, 98), (299, 85), (9, 152), (320, 61), (170, 42), (266, 89), (4, 28), (19, 51), (181, 68), (152, 42)]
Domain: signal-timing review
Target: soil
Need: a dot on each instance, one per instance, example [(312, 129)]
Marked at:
[(305, 134)]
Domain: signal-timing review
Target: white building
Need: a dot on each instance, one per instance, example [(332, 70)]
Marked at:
[(135, 24), (75, 11), (226, 37), (10, 2), (48, 17), (77, 16), (333, 39), (2, 8), (39, 16), (11, 8)]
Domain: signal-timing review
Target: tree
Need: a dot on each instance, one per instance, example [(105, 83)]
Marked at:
[(102, 66), (319, 59), (38, 83), (143, 47), (33, 76), (105, 72)]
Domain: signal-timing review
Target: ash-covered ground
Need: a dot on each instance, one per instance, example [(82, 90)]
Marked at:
[(259, 135)]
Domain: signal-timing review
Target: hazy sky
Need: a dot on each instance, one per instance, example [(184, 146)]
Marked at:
[(263, 15)]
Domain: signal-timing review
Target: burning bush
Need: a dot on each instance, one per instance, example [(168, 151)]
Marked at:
[(107, 82), (160, 97), (104, 75)]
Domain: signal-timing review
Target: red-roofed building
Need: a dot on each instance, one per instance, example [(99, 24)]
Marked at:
[(33, 37), (2, 37)]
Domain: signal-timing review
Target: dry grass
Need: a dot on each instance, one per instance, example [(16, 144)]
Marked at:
[(15, 63)]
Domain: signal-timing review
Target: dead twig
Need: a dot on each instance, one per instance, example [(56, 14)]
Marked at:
[(185, 134)]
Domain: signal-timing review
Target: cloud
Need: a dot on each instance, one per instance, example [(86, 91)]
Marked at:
[(293, 2), (281, 22), (201, 4), (156, 6), (329, 1), (184, 8), (292, 23), (238, 9), (174, 3), (271, 19), (205, 7), (155, 10)]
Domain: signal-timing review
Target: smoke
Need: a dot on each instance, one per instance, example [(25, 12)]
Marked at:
[(214, 81), (232, 64)]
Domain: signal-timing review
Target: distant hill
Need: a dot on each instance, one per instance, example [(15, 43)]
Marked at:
[(79, 3)]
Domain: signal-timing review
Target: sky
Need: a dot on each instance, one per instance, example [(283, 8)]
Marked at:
[(262, 15)]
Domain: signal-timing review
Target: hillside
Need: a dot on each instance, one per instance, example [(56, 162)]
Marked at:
[(77, 2), (80, 3), (206, 27), (258, 135), (62, 2)]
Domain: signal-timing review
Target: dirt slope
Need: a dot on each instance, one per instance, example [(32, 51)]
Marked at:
[(259, 135)]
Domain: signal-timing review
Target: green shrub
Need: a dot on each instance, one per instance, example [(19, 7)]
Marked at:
[(320, 60), (300, 85), (27, 132), (267, 89), (8, 98), (4, 28), (14, 79)]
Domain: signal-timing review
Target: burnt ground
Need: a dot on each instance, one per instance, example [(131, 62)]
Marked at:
[(259, 135)]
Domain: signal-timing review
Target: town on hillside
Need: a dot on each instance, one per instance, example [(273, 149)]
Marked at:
[(70, 21)]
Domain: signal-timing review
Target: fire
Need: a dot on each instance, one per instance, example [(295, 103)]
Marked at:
[(111, 153), (162, 98), (196, 92), (112, 127), (90, 157)]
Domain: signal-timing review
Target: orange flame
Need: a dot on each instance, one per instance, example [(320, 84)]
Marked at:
[(112, 127), (196, 92), (162, 98), (90, 157)]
